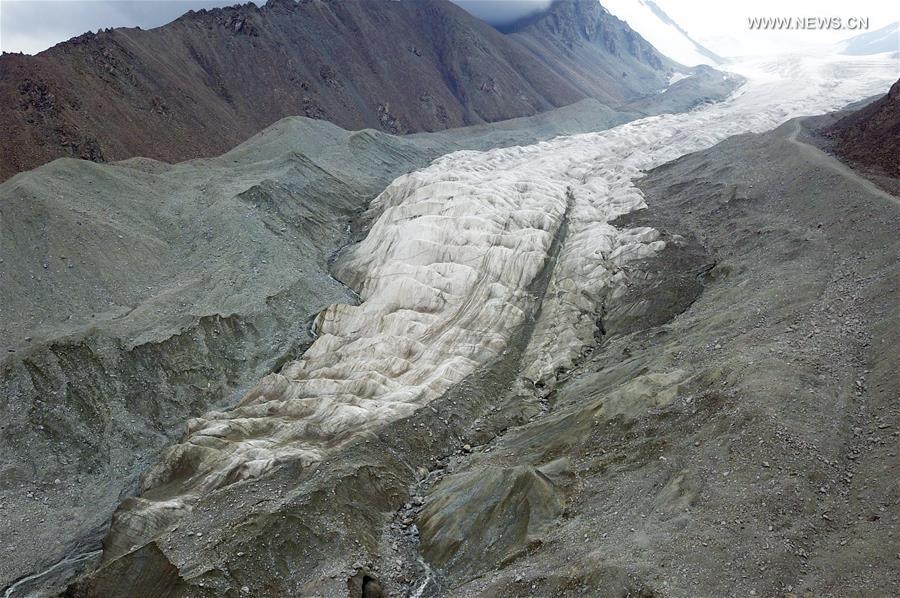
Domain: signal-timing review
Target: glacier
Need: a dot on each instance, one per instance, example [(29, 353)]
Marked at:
[(443, 278)]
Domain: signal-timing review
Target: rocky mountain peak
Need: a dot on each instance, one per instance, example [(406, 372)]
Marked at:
[(579, 22), (274, 4)]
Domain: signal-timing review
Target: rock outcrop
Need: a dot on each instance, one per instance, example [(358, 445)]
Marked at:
[(870, 137)]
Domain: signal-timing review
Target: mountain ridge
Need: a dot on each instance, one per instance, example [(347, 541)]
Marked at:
[(212, 78)]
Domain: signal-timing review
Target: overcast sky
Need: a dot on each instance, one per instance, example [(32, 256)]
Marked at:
[(722, 26), (34, 25)]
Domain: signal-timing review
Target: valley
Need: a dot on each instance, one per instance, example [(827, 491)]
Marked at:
[(556, 316)]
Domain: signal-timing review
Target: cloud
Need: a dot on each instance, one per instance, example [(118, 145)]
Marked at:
[(722, 26), (502, 12)]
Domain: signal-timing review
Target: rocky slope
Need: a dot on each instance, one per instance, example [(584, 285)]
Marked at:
[(210, 79), (870, 137), (591, 49)]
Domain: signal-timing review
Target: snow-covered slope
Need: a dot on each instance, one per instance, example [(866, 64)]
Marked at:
[(886, 39), (445, 278), (654, 25)]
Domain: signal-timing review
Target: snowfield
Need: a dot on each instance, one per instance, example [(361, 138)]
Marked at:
[(444, 275), (645, 17)]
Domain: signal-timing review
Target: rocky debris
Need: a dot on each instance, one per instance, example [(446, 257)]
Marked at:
[(36, 95), (388, 121), (705, 86), (329, 76), (242, 25), (486, 517)]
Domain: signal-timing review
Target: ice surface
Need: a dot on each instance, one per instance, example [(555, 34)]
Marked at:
[(443, 275)]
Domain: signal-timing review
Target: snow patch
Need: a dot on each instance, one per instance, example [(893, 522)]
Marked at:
[(678, 76)]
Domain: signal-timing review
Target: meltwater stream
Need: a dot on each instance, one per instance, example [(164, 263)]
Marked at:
[(443, 277)]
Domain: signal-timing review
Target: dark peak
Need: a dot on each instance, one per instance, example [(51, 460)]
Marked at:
[(119, 88), (209, 15), (574, 22), (562, 16), (894, 92), (276, 4)]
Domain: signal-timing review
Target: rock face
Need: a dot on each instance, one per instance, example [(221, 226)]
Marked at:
[(210, 79), (595, 51), (870, 137)]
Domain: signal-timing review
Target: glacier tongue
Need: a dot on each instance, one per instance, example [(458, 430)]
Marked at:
[(443, 276), (592, 259)]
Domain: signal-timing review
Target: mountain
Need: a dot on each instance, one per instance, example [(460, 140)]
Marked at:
[(137, 294), (886, 39), (667, 36), (592, 48), (211, 79), (870, 136)]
